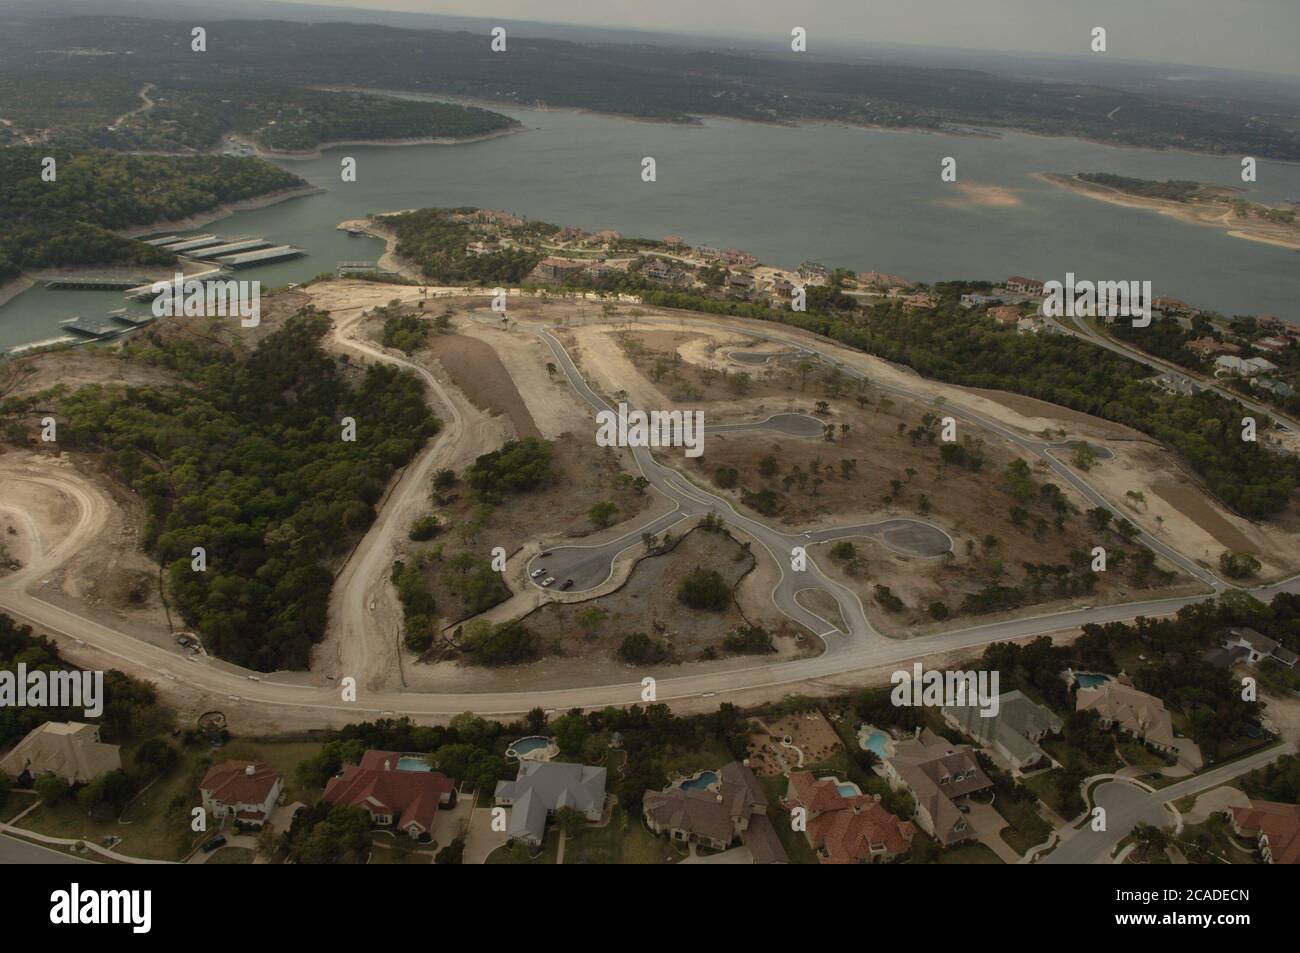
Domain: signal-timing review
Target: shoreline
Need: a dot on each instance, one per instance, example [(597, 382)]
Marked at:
[(1189, 214), (261, 152), (11, 289), (200, 219)]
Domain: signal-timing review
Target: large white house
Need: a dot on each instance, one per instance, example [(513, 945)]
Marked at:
[(244, 791)]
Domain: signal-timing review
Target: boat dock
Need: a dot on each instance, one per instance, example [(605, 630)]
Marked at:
[(232, 246), (264, 257), (95, 328), (93, 283)]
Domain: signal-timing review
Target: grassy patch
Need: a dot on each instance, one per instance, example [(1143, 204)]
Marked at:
[(521, 853), (796, 845), (970, 853), (1027, 828), (231, 855), (624, 840)]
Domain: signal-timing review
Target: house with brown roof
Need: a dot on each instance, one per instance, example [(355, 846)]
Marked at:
[(242, 791), (1209, 347), (733, 808), (847, 830), (558, 269), (71, 750), (392, 795), (1140, 716), (940, 775), (1275, 827), (1024, 285), (1005, 314)]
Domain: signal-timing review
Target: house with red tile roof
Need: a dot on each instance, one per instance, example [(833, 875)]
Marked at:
[(393, 796), (243, 791), (1275, 826), (847, 830)]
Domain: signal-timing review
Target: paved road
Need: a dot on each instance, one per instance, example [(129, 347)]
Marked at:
[(15, 851), (792, 425), (1081, 328), (862, 649), (1127, 805)]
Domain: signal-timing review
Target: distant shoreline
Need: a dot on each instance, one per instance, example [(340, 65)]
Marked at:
[(1214, 214), (262, 152)]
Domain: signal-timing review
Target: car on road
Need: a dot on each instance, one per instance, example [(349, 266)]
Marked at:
[(545, 553), (210, 846), (568, 584), (548, 580), (541, 571)]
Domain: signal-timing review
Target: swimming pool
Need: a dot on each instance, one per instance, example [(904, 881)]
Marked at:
[(528, 745), (413, 764), (848, 789), (701, 781), (875, 743), (1091, 681)]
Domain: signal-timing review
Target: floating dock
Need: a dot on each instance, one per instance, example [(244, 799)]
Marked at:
[(264, 257), (231, 247), (164, 240), (200, 241), (145, 292), (92, 283), (95, 328)]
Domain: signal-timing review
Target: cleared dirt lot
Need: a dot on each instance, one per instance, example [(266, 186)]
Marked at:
[(475, 368), (648, 603)]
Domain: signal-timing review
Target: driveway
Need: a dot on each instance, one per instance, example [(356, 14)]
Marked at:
[(482, 839), (987, 824)]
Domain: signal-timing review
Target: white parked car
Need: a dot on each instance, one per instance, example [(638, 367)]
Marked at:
[(548, 580), (537, 572)]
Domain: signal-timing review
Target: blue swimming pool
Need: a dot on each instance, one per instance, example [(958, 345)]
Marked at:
[(528, 745), (848, 789), (1091, 681), (413, 764), (876, 743), (701, 781)]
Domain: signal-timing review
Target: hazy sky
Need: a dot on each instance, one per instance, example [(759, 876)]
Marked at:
[(1243, 34)]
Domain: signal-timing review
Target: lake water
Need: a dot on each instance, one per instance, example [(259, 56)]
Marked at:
[(859, 199)]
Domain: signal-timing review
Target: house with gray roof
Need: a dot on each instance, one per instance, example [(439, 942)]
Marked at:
[(542, 788), (1257, 646), (1013, 733)]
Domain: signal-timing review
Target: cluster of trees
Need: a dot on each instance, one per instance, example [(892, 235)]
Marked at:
[(1173, 190), (952, 344), (404, 330), (247, 461), (438, 243), (704, 589), (70, 221), (518, 467)]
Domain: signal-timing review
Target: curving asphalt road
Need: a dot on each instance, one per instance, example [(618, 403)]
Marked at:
[(863, 649)]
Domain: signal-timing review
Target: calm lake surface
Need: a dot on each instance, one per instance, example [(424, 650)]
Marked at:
[(853, 198)]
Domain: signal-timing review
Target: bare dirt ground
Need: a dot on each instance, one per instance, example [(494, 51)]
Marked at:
[(481, 376), (75, 368)]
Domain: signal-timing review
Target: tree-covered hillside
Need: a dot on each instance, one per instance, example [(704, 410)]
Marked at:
[(70, 221)]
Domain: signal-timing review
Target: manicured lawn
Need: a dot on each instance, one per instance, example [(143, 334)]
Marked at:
[(385, 853), (520, 853), (1212, 841), (1139, 755), (16, 803), (1027, 828), (796, 845), (971, 853), (1044, 788), (624, 840), (231, 855), (1068, 754)]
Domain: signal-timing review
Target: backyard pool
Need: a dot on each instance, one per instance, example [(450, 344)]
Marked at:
[(875, 743), (701, 782), (534, 747), (1091, 681), (848, 789), (413, 764)]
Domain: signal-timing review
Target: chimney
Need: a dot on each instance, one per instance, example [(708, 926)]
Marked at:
[(250, 770), (388, 765)]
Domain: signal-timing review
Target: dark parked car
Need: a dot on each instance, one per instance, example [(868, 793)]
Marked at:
[(568, 584), (210, 846)]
